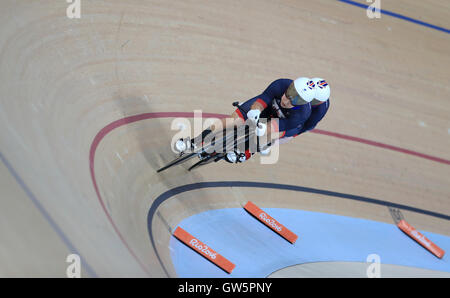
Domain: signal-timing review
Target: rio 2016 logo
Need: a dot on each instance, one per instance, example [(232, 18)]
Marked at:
[(204, 249), (270, 222)]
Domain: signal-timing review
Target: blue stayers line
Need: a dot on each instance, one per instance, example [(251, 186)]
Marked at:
[(47, 216), (399, 16)]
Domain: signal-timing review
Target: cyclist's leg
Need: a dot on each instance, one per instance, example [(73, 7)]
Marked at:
[(237, 118)]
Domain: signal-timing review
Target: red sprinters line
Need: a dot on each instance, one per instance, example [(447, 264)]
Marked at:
[(381, 145), (107, 129)]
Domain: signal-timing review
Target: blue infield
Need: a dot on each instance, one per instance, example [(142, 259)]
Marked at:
[(257, 251)]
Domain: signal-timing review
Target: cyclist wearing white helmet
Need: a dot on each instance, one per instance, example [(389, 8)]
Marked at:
[(285, 99)]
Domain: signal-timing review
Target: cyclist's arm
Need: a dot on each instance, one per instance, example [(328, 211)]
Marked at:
[(284, 128), (315, 117), (275, 90)]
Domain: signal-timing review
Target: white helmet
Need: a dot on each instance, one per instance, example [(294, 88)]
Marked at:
[(305, 88), (322, 89)]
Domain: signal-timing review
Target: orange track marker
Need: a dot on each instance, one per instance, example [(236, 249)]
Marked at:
[(204, 250), (270, 222), (416, 235)]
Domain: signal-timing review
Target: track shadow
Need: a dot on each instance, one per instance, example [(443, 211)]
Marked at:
[(154, 141)]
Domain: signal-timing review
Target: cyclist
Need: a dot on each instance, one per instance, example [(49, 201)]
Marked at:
[(289, 101)]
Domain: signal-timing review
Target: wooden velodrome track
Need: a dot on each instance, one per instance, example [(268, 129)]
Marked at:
[(72, 184)]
